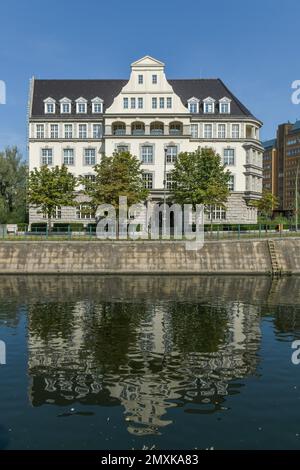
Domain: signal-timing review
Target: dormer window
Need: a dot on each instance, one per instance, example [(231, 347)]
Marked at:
[(49, 104), (97, 105), (224, 105), (81, 106), (209, 105), (141, 79), (65, 106), (154, 79), (193, 105)]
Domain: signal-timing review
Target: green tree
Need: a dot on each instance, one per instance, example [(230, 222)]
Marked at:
[(265, 206), (200, 178), (51, 187), (13, 174), (118, 175)]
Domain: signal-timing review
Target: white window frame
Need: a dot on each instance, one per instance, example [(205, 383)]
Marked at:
[(208, 126), (161, 102), (140, 103), (81, 102), (133, 102), (125, 102), (40, 131), (229, 160), (193, 105), (97, 135), (140, 79), (97, 105), (89, 160), (221, 134), (208, 102), (67, 133), (71, 150), (49, 102), (231, 183), (171, 155), (54, 134), (82, 131), (224, 101), (147, 154), (65, 102), (48, 158), (234, 134), (169, 102), (149, 184), (154, 79), (154, 102), (194, 131)]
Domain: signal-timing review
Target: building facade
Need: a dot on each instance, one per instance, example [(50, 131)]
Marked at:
[(76, 121), (280, 162)]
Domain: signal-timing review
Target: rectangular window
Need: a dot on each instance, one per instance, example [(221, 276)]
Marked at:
[(147, 154), (84, 212), (229, 157), (81, 108), (68, 157), (97, 108), (231, 183), (224, 108), (50, 108), (54, 131), (40, 131), (207, 131), (90, 156), (154, 79), (82, 134), (141, 79), (169, 102), (194, 131), (68, 131), (125, 103), (47, 157), (193, 107), (65, 108), (122, 148), (208, 107), (171, 154), (216, 213), (169, 181), (140, 103), (221, 131), (57, 213), (132, 103), (161, 103), (97, 131), (148, 180), (235, 131), (154, 103)]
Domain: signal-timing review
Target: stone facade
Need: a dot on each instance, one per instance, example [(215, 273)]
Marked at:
[(76, 121)]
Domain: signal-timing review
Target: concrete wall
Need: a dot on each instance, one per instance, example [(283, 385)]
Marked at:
[(250, 256)]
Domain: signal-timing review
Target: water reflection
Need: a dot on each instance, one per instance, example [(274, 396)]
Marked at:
[(143, 353)]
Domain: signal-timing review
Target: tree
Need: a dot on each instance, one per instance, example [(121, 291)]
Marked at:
[(118, 175), (265, 205), (49, 188), (13, 174), (200, 178)]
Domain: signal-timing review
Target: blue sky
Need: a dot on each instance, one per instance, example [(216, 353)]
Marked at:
[(252, 46)]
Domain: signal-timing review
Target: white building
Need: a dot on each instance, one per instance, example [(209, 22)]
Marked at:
[(76, 121)]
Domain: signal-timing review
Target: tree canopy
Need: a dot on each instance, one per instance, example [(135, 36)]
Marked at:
[(13, 174), (118, 175), (49, 188), (200, 178), (266, 204)]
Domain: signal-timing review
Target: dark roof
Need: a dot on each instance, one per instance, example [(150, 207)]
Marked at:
[(109, 89), (269, 143)]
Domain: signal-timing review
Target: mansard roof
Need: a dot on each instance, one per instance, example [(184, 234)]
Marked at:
[(109, 89)]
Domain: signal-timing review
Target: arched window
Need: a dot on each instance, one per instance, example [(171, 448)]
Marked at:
[(156, 128), (176, 128), (137, 128), (118, 128)]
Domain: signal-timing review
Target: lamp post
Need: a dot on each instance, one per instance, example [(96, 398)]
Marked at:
[(296, 196)]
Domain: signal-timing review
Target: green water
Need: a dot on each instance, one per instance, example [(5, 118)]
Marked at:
[(95, 362)]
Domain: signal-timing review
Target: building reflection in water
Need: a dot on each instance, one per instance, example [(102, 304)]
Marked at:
[(147, 356)]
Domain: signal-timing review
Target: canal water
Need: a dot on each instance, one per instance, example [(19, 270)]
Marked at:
[(164, 362)]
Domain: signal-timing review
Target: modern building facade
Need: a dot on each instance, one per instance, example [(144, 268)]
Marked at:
[(76, 121), (280, 162)]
